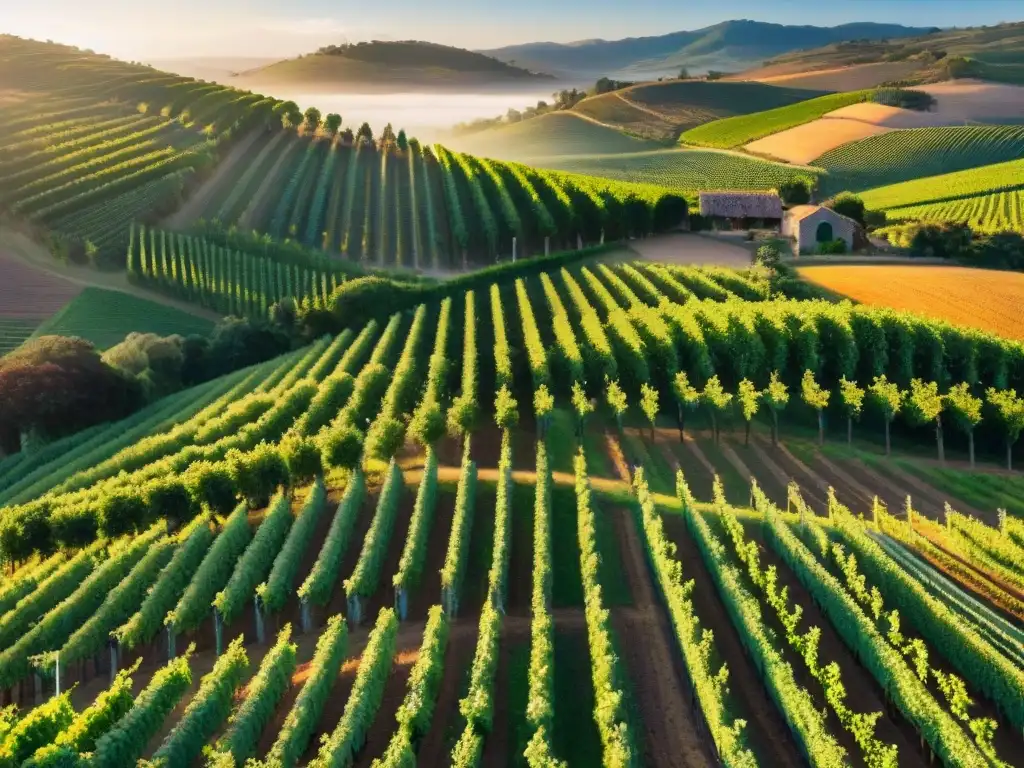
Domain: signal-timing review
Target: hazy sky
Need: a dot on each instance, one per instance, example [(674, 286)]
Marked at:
[(179, 28)]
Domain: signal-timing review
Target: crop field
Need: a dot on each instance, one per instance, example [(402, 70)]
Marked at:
[(101, 143), (734, 132), (382, 206), (105, 317), (557, 133), (947, 186), (903, 155), (985, 299), (847, 78), (663, 110), (473, 596), (686, 170), (989, 214)]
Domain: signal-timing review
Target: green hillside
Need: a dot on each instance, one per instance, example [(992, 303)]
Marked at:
[(664, 110), (948, 186), (378, 64), (553, 134), (890, 158), (737, 131), (683, 169), (989, 213), (106, 317)]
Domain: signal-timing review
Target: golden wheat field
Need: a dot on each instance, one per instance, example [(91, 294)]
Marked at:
[(982, 298)]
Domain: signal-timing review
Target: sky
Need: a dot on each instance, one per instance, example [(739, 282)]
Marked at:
[(147, 30)]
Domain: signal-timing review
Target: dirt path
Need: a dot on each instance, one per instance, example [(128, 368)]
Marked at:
[(195, 206), (766, 731), (667, 725), (384, 723), (447, 723), (17, 244)]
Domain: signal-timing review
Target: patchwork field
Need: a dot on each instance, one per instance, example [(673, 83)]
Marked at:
[(989, 300), (663, 110), (910, 154), (947, 186), (684, 169), (977, 100), (737, 131), (987, 213)]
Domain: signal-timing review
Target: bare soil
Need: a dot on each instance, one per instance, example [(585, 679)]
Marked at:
[(690, 249), (670, 732), (766, 731)]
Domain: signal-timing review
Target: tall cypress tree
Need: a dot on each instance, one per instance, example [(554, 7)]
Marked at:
[(129, 262), (165, 271), (153, 266)]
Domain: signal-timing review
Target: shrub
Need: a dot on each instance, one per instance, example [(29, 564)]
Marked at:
[(343, 447), (258, 473), (122, 512), (302, 457), (170, 500), (212, 484), (831, 247), (797, 190), (849, 205)]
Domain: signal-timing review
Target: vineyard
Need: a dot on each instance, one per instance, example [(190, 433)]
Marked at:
[(947, 187), (890, 158), (92, 144), (684, 170), (435, 538), (736, 131)]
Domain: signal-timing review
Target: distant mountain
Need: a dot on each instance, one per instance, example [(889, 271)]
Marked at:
[(388, 66), (988, 53), (731, 45)]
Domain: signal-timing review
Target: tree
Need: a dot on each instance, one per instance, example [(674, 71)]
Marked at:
[(965, 409), (769, 256), (852, 398), (616, 401), (749, 400), (687, 398), (684, 73), (717, 401), (924, 406), (1008, 411), (887, 398), (332, 124), (462, 417), (543, 405), (817, 397), (649, 404), (776, 397), (343, 447), (347, 136), (428, 424), (402, 141), (506, 409), (796, 190), (849, 205), (583, 406), (365, 133), (311, 119)]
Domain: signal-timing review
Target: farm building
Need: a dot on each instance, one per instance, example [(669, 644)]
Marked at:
[(741, 210), (810, 225)]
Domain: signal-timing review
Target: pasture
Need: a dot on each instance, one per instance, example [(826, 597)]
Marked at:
[(988, 300)]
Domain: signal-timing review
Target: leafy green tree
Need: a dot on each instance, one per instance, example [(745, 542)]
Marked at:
[(796, 190), (817, 397), (649, 404), (769, 256), (583, 406), (428, 424), (332, 124), (924, 406), (776, 397), (365, 133), (849, 205), (687, 399), (1008, 412), (684, 73), (717, 401), (343, 448), (749, 400), (886, 396), (462, 417), (965, 409), (852, 398), (616, 401), (543, 405), (506, 409), (403, 140), (311, 119)]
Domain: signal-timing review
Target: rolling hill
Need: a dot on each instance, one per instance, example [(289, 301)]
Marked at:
[(730, 45), (664, 110), (989, 53), (382, 66)]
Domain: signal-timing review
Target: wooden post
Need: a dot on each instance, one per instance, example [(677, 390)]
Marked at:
[(114, 648), (547, 245), (402, 603), (513, 250), (170, 642), (218, 631), (257, 607), (307, 618)]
